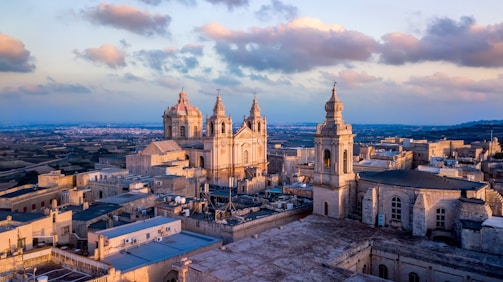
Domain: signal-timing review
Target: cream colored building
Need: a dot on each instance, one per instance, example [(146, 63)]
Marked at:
[(416, 201), (19, 231), (237, 159)]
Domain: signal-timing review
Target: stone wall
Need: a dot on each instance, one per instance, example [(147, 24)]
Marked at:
[(229, 234)]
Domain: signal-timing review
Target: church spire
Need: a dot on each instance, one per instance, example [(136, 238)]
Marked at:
[(255, 109), (219, 109), (334, 108)]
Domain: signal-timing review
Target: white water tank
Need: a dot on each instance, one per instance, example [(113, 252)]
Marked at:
[(289, 206), (43, 278), (186, 212)]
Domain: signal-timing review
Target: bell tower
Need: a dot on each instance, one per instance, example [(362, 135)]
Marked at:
[(333, 167), (218, 142)]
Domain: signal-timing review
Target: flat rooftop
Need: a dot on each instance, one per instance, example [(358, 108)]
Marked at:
[(135, 226), (419, 179), (93, 211), (20, 192), (123, 198), (308, 249), (154, 251), (21, 216)]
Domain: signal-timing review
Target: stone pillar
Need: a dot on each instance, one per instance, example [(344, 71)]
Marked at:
[(182, 266), (419, 216), (369, 207)]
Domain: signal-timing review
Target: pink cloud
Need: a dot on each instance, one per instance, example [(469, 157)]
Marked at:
[(129, 18), (464, 43), (300, 45), (13, 55), (106, 54)]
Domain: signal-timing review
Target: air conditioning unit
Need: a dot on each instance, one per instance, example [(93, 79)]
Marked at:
[(127, 241), (158, 239)]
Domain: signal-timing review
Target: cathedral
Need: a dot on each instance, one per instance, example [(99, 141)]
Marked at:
[(234, 158)]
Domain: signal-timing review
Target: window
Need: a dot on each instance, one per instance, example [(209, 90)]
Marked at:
[(182, 131), (53, 217), (440, 218), (413, 277), (249, 124), (42, 204), (196, 132), (201, 161), (259, 128), (65, 230), (147, 236), (223, 127), (169, 131), (345, 161), (326, 158), (383, 271), (325, 208), (21, 243), (364, 269), (25, 209), (211, 128), (101, 194), (33, 207), (396, 208), (245, 157)]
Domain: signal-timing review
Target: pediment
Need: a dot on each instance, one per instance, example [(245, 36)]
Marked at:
[(243, 133)]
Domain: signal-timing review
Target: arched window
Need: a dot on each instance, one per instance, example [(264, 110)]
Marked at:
[(396, 208), (187, 157), (440, 218), (345, 161), (223, 127), (196, 131), (201, 161), (169, 131), (413, 277), (245, 157), (182, 131), (249, 124), (325, 208), (326, 158), (211, 128), (364, 269), (100, 194), (383, 271), (259, 127)]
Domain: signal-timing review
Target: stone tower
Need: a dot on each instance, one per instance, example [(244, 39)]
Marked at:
[(333, 167), (183, 122), (219, 142)]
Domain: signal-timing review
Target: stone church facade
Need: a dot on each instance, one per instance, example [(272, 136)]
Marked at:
[(230, 158), (420, 202)]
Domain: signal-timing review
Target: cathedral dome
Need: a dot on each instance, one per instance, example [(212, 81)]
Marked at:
[(183, 108)]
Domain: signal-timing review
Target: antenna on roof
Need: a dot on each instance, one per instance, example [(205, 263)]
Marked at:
[(335, 82), (218, 91)]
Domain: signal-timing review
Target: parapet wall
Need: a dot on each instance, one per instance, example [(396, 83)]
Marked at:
[(229, 233)]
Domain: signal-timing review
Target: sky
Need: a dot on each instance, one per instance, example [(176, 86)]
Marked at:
[(408, 62)]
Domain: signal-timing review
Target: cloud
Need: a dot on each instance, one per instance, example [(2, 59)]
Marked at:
[(165, 60), (350, 78), (300, 45), (13, 55), (441, 86), (231, 4), (194, 49), (268, 12), (464, 43), (170, 82), (106, 54), (129, 18), (151, 2), (51, 87)]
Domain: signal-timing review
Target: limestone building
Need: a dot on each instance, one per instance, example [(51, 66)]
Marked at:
[(416, 201), (230, 158)]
